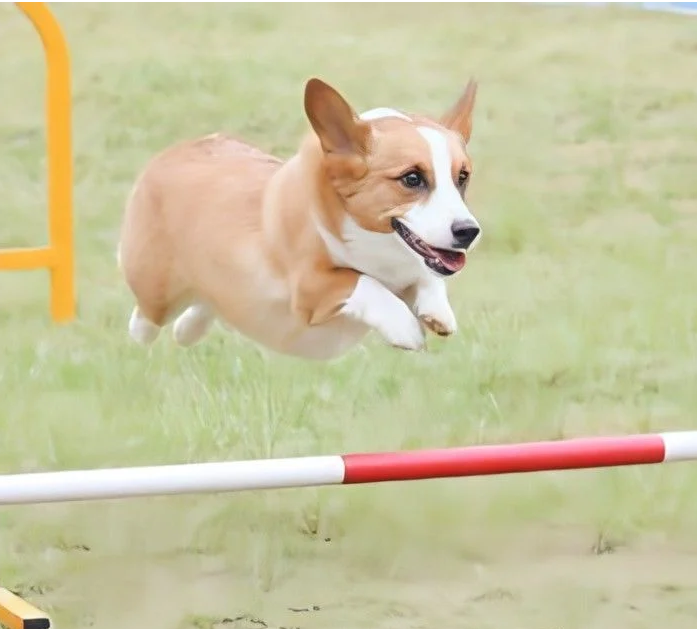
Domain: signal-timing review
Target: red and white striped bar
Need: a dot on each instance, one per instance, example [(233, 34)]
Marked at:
[(194, 478)]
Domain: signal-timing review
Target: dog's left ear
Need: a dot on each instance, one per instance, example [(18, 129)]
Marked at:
[(336, 124), (459, 117)]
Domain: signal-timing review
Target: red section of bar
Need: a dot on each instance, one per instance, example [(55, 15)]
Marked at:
[(504, 459)]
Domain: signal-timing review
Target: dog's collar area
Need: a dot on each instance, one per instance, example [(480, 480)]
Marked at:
[(441, 261)]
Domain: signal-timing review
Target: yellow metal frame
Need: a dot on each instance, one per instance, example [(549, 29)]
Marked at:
[(58, 256), (16, 613)]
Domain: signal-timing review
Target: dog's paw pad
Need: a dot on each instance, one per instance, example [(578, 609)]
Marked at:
[(410, 348), (436, 326)]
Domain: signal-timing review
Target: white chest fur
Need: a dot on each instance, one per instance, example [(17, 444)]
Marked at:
[(382, 256)]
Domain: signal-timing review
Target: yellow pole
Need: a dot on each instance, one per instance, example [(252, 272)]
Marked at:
[(16, 613), (59, 255)]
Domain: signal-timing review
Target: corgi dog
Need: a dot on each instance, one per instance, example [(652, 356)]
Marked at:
[(359, 230)]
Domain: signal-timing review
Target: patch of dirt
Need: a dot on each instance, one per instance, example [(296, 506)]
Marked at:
[(534, 584)]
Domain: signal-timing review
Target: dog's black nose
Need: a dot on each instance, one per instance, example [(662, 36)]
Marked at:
[(464, 233)]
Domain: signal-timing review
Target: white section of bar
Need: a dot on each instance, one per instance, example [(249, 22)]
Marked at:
[(101, 484), (680, 446)]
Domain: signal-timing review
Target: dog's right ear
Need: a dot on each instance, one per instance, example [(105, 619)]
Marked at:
[(459, 117), (337, 126)]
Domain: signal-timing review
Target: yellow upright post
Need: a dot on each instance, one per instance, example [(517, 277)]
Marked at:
[(58, 256)]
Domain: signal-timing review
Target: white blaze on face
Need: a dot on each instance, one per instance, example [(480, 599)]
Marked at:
[(432, 220)]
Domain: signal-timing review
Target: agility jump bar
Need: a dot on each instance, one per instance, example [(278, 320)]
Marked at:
[(348, 469)]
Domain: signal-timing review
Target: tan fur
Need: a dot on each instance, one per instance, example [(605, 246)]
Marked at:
[(219, 223)]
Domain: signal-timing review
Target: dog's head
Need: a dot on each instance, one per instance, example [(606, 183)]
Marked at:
[(401, 174)]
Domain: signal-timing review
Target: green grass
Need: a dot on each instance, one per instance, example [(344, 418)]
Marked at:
[(577, 316)]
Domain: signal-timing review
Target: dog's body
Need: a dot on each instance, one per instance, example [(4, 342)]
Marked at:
[(356, 231)]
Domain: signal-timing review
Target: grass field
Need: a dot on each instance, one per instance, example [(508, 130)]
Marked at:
[(577, 315)]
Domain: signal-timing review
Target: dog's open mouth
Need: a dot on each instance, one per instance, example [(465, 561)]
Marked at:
[(443, 261)]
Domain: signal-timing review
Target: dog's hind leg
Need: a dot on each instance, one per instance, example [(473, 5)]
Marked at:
[(141, 329), (193, 324)]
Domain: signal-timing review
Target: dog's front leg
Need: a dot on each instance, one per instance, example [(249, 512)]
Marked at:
[(344, 292), (432, 307)]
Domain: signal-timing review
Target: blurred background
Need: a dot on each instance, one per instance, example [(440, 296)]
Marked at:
[(577, 316)]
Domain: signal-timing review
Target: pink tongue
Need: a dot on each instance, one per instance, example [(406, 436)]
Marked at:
[(452, 260)]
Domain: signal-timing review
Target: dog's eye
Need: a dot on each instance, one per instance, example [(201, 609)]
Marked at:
[(463, 178), (413, 179)]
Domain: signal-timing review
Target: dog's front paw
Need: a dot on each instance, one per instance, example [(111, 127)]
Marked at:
[(439, 320), (433, 309), (405, 333), (441, 328)]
